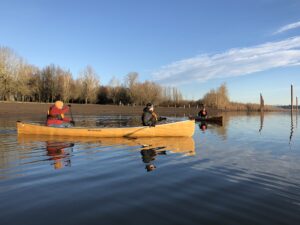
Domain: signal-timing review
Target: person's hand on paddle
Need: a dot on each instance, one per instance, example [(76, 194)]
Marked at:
[(72, 119), (162, 118), (152, 125)]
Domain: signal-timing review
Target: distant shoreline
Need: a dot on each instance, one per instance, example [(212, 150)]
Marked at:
[(24, 109), (19, 109)]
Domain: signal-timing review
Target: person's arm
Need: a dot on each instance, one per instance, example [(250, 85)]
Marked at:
[(65, 109), (60, 111), (162, 118)]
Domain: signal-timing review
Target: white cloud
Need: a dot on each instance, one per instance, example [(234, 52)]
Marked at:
[(234, 62), (288, 27)]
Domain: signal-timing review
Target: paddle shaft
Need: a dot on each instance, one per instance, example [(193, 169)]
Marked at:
[(71, 113)]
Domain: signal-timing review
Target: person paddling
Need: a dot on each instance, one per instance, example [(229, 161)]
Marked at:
[(149, 117), (56, 116), (203, 113)]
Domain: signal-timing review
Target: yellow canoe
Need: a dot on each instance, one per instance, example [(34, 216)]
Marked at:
[(177, 129)]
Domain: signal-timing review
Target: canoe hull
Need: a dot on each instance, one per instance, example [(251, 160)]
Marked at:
[(177, 129)]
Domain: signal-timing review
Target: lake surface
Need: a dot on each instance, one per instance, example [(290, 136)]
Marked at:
[(244, 172)]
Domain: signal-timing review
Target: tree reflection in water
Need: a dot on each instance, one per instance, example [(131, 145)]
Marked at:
[(292, 129)]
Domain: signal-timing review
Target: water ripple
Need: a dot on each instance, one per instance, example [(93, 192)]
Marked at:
[(243, 173)]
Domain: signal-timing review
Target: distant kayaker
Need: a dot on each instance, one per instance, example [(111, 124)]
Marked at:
[(56, 116), (149, 117), (203, 113)]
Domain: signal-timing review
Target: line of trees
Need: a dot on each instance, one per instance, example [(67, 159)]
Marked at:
[(20, 81), (219, 99)]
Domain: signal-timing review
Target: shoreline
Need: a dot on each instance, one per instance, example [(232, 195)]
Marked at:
[(21, 109)]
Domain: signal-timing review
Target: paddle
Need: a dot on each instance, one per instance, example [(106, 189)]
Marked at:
[(72, 119), (162, 118)]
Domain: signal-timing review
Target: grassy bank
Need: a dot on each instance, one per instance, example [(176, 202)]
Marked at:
[(18, 109)]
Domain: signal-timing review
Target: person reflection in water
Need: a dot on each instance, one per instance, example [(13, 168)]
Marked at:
[(203, 126), (59, 154), (148, 156)]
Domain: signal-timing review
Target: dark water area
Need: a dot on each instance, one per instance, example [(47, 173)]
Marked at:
[(244, 172)]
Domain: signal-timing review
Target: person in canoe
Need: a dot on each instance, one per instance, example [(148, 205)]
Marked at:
[(202, 113), (56, 116), (149, 117)]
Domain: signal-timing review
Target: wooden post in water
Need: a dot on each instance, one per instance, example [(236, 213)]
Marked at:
[(297, 104), (262, 103), (296, 112), (292, 96)]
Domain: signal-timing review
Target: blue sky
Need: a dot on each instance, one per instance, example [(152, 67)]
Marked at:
[(252, 45)]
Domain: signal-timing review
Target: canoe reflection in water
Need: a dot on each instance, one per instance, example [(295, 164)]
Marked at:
[(59, 153), (60, 148), (155, 147)]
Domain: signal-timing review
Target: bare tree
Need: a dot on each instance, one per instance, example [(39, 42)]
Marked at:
[(22, 80), (131, 79), (217, 98), (49, 87), (90, 86), (35, 86), (222, 96), (176, 95), (114, 89), (65, 82), (76, 87), (9, 63), (131, 82), (150, 92)]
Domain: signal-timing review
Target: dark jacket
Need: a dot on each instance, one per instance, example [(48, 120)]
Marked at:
[(148, 118), (202, 113)]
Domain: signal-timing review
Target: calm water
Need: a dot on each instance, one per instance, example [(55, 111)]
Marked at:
[(245, 172)]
